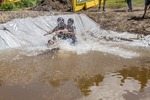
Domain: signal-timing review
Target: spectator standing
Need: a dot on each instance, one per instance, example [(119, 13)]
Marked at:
[(100, 1), (129, 2), (147, 3)]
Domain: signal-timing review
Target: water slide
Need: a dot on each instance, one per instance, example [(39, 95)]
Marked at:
[(29, 32)]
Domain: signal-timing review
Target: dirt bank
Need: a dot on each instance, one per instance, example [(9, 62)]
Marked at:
[(6, 16), (57, 5), (112, 19), (121, 20)]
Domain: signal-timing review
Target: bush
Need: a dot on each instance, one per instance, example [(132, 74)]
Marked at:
[(7, 6), (27, 3), (23, 3), (38, 2)]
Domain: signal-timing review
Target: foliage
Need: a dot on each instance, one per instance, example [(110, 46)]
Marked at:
[(8, 6), (27, 3), (17, 5), (38, 2)]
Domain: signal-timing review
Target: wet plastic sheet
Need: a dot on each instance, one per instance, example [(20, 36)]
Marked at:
[(30, 32)]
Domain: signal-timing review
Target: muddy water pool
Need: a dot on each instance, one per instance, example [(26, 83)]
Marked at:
[(61, 75)]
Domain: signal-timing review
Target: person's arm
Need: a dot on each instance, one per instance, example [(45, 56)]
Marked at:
[(59, 31), (65, 31), (50, 32), (72, 33)]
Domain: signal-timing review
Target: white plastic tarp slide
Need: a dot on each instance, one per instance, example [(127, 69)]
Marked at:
[(29, 32)]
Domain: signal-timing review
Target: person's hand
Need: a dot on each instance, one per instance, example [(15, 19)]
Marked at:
[(45, 34), (48, 33)]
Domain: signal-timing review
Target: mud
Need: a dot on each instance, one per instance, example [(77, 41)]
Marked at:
[(6, 16), (55, 5), (122, 21)]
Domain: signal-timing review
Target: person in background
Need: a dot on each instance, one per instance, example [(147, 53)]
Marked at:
[(129, 2), (147, 3), (100, 1)]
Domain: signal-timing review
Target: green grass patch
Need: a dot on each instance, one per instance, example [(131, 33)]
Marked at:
[(8, 6), (18, 5), (123, 3), (138, 2), (115, 3)]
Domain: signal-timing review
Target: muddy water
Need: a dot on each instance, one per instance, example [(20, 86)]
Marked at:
[(60, 75)]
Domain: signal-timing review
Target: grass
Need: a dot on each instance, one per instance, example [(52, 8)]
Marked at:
[(81, 2), (122, 3), (18, 5)]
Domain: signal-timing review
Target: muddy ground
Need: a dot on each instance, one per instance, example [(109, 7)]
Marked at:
[(121, 20), (57, 5)]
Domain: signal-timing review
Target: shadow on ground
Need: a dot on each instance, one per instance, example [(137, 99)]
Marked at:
[(138, 18)]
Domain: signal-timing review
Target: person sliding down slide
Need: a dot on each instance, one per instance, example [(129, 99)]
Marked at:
[(63, 31), (70, 31)]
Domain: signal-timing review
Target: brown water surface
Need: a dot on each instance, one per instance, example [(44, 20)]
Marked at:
[(60, 75)]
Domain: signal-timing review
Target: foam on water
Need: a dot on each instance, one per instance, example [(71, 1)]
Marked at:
[(85, 47)]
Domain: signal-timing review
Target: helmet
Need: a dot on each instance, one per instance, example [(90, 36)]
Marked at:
[(60, 19), (70, 20)]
